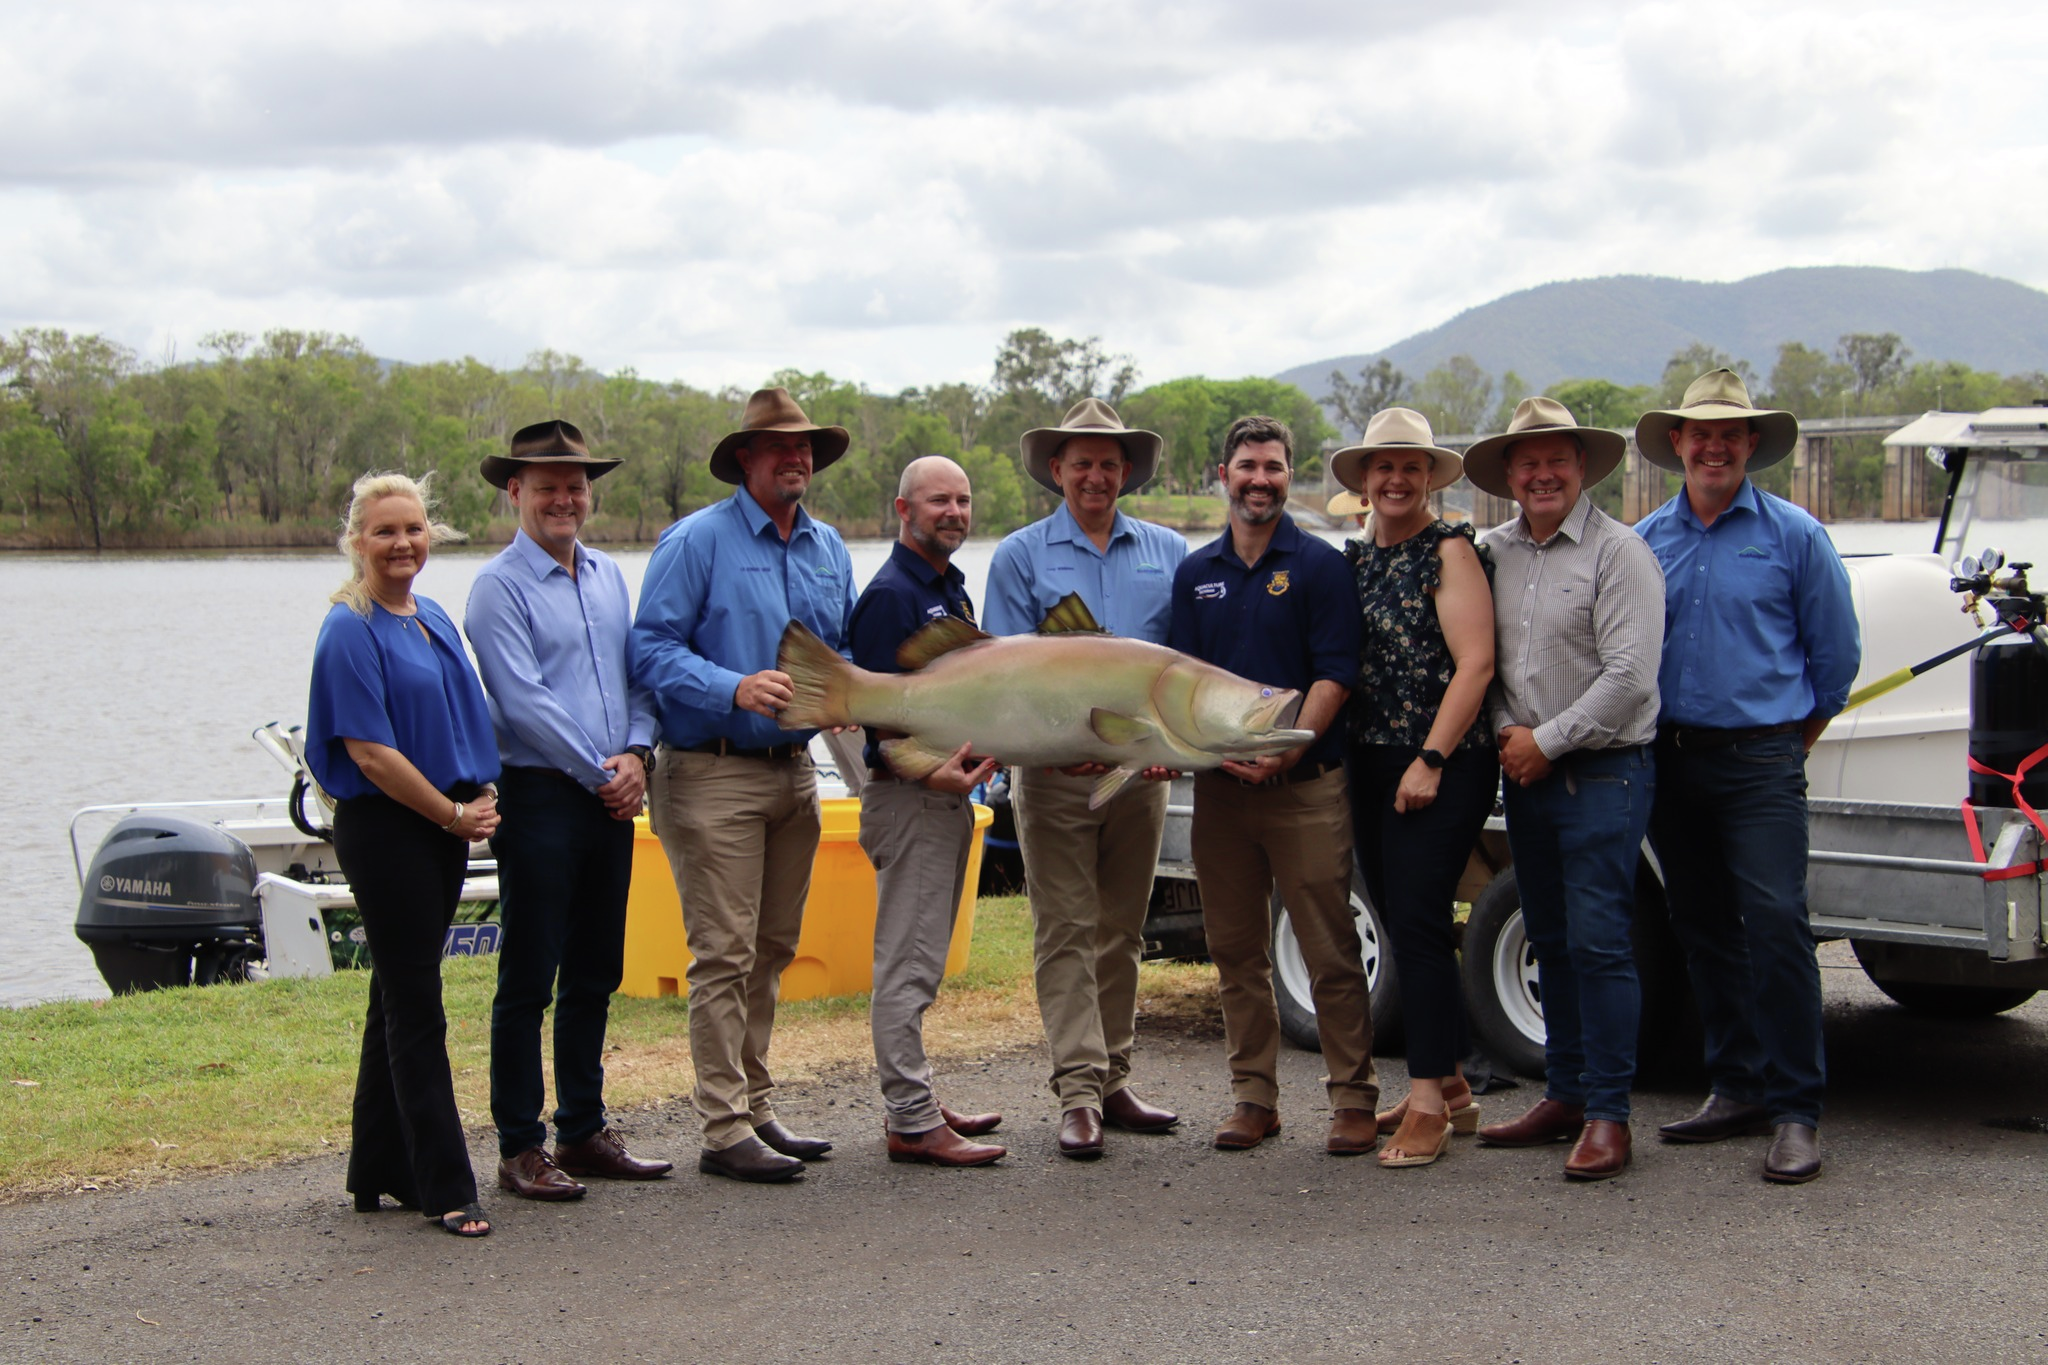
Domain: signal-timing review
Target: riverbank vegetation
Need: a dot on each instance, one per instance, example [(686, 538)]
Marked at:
[(99, 1094)]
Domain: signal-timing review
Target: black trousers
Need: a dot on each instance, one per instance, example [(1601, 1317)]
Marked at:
[(564, 865), (1412, 863), (407, 877)]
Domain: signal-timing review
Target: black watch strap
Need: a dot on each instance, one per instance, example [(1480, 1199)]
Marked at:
[(644, 754), (1432, 759)]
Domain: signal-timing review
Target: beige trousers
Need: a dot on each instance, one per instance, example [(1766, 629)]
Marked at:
[(740, 834), (1089, 876), (1246, 841)]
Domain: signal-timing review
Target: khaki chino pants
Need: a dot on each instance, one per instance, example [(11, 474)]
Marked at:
[(1089, 876), (740, 835), (1297, 836)]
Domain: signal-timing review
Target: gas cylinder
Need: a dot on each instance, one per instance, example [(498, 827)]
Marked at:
[(2009, 718)]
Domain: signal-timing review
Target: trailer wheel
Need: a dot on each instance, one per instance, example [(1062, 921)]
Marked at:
[(1291, 983), (1943, 1000)]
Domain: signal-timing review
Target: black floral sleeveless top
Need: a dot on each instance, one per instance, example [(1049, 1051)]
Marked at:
[(1405, 666)]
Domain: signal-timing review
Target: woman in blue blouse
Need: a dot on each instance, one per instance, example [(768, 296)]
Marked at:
[(399, 735)]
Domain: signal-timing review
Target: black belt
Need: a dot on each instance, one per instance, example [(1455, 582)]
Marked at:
[(1703, 737), (1300, 772), (725, 748)]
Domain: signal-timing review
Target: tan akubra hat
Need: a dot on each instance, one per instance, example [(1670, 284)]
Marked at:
[(1486, 462), (1346, 504), (775, 410), (1713, 397), (1396, 429), (550, 442), (1093, 417)]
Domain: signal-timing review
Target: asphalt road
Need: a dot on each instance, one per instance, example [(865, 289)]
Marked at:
[(1922, 1242)]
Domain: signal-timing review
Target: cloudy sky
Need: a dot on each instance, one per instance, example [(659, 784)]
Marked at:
[(882, 190)]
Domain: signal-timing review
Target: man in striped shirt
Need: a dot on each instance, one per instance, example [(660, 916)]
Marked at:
[(1578, 605)]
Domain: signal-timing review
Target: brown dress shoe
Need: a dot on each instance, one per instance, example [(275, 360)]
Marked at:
[(1719, 1118), (1601, 1152), (603, 1155), (532, 1175), (1081, 1134), (789, 1144), (750, 1159), (1248, 1126), (970, 1125), (1126, 1111), (941, 1146), (1353, 1132), (1546, 1121)]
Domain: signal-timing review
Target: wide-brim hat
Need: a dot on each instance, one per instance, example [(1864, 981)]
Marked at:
[(1486, 463), (1093, 417), (1396, 429), (775, 410), (1716, 396), (1346, 504), (550, 442)]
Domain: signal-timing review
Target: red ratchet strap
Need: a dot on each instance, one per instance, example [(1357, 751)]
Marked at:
[(2016, 777)]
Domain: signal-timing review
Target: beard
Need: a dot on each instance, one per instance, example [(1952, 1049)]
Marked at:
[(928, 538), (1257, 516)]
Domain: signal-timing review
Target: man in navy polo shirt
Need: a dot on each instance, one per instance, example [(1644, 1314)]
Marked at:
[(1275, 605), (918, 833)]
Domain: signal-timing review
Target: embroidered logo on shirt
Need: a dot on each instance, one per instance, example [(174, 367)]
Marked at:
[(1278, 584), (1143, 567), (1210, 592), (1750, 552), (824, 571), (935, 612)]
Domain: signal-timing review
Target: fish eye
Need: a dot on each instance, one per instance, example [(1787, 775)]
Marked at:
[(1265, 691)]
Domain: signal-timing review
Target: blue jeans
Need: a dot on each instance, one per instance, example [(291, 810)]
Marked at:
[(1575, 837), (1729, 827)]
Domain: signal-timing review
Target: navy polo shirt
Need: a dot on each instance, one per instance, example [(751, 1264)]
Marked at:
[(903, 596), (1291, 620)]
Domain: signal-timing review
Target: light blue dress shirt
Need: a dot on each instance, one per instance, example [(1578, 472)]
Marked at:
[(1129, 587), (720, 589), (552, 652), (1759, 625)]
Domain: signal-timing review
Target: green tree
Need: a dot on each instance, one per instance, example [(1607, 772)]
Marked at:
[(1354, 401), (1603, 403), (1456, 396), (1805, 382), (72, 385), (1692, 362), (1876, 359), (1513, 389)]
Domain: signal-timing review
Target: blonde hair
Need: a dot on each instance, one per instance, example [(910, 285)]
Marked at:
[(372, 486)]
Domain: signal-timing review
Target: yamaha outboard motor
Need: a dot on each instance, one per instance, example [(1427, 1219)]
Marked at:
[(170, 902), (2008, 684)]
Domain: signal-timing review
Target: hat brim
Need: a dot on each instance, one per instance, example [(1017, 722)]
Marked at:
[(498, 470), (1347, 465), (1141, 448), (827, 445), (1486, 463), (1346, 504), (1777, 434)]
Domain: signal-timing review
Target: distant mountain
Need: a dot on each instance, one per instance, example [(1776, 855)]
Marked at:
[(1624, 327)]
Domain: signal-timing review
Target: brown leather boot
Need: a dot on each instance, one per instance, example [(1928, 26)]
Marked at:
[(1546, 1121), (941, 1146), (1247, 1126), (970, 1125), (1353, 1132), (1601, 1153), (533, 1175)]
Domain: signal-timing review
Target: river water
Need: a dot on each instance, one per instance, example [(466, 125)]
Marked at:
[(139, 677)]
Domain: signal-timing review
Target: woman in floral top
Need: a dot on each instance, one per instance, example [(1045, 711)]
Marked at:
[(1423, 768)]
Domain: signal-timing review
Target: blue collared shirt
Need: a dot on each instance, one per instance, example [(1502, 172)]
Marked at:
[(904, 596), (1759, 626), (721, 586), (403, 682), (552, 651), (1291, 620), (1129, 587)]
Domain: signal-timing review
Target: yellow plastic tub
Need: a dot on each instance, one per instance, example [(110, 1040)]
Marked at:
[(835, 954)]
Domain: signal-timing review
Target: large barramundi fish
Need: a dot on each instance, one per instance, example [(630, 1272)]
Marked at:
[(1072, 693)]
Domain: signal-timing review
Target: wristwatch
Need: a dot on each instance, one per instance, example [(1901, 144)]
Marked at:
[(1431, 759), (644, 754)]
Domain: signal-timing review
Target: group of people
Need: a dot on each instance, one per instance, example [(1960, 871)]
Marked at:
[(1574, 657)]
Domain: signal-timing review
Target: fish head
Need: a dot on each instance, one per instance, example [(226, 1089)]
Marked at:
[(1216, 712)]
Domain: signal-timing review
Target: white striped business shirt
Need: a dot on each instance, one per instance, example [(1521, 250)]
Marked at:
[(1578, 633)]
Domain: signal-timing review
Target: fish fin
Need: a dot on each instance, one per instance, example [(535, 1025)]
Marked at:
[(1113, 727), (819, 678), (1112, 782), (1070, 615), (942, 636), (910, 759)]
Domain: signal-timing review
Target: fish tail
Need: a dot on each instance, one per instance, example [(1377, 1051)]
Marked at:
[(821, 680)]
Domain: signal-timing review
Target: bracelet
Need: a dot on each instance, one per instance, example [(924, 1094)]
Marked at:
[(449, 828)]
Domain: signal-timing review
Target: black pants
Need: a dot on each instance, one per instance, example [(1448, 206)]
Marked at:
[(407, 877), (1412, 863), (564, 865)]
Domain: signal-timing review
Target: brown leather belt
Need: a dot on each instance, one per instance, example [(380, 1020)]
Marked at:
[(1701, 737), (725, 748), (1300, 772)]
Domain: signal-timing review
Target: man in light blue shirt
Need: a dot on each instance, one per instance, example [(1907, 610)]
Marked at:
[(735, 799), (548, 619), (1760, 648), (1089, 872)]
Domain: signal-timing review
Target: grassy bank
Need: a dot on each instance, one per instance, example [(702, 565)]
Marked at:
[(146, 1087)]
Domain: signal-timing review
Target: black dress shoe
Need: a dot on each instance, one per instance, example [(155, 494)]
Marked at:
[(1126, 1111), (789, 1144), (1795, 1155), (749, 1159), (1720, 1117), (1081, 1134)]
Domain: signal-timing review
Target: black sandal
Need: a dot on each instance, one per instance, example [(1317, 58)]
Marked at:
[(468, 1213)]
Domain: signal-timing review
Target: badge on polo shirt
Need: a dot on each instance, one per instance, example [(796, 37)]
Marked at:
[(1209, 592), (1278, 584)]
